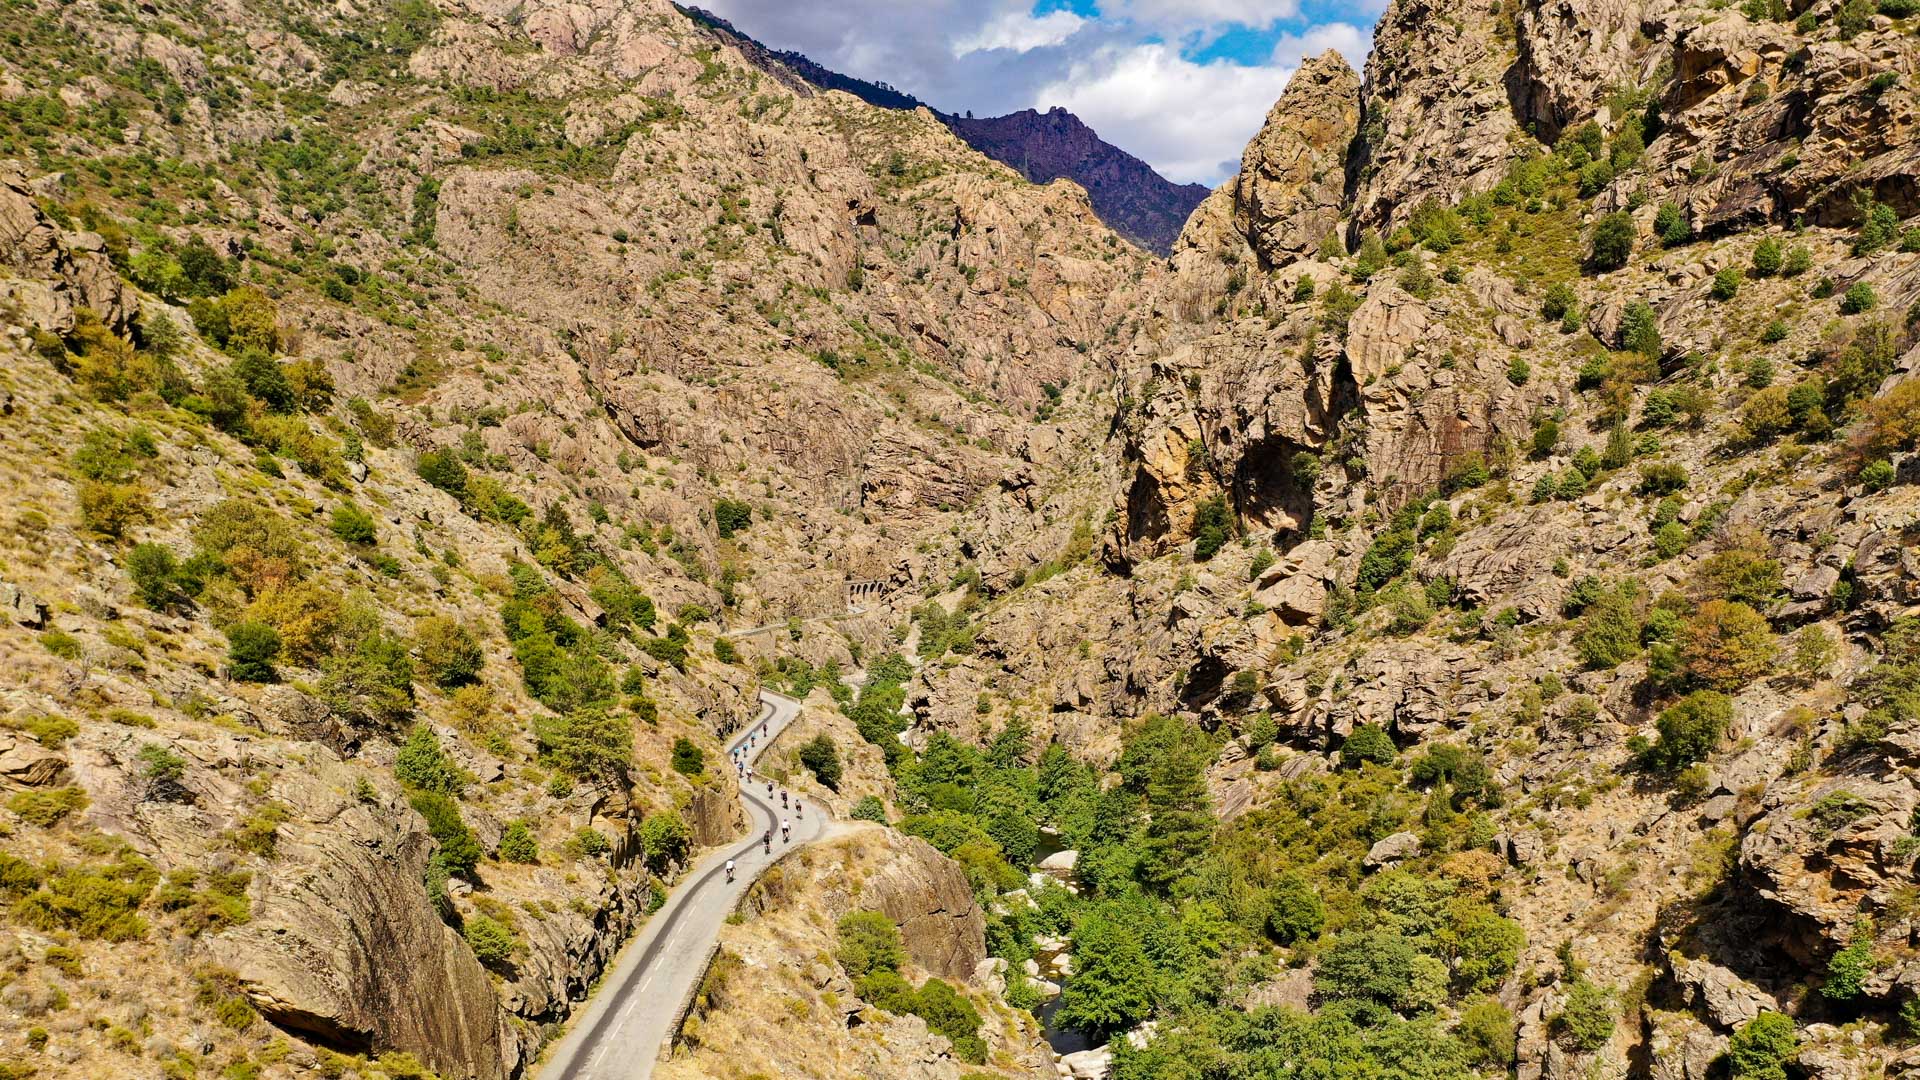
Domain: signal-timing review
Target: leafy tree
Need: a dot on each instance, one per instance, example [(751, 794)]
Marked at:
[(1381, 966), (688, 759), (1858, 299), (1613, 241), (664, 840), (591, 746), (1180, 821), (1487, 1031), (1763, 1047), (1559, 300), (1690, 729), (442, 469), (1212, 526), (1610, 632), (423, 766), (1369, 742), (449, 651), (731, 516), (869, 943), (252, 648), (1670, 225), (1726, 645), (821, 756), (869, 808), (459, 852), (1294, 910), (1640, 330), (1768, 257), (1114, 987)]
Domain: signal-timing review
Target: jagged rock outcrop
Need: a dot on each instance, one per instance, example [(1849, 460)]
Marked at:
[(51, 273), (1289, 193)]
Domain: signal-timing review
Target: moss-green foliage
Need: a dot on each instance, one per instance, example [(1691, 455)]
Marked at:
[(206, 903), (252, 648), (688, 759), (1392, 550), (422, 765), (450, 653), (46, 807), (93, 901), (1609, 632), (459, 852), (1689, 730), (492, 942), (1612, 245), (1368, 743), (869, 808), (589, 745), (1849, 969), (872, 954)]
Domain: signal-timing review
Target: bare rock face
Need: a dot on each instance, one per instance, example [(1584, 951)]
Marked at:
[(51, 274), (928, 895), (1288, 193), (1571, 53), (1437, 119), (345, 946)]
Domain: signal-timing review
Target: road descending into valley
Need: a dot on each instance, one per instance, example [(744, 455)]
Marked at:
[(618, 1035)]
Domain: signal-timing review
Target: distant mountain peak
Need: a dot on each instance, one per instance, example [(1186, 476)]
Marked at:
[(1133, 199)]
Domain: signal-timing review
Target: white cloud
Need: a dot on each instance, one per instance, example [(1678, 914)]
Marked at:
[(1122, 72), (1182, 17), (1189, 121), (1021, 32), (1351, 41)]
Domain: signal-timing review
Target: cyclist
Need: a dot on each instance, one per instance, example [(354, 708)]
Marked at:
[(783, 800), (799, 811), (729, 871)]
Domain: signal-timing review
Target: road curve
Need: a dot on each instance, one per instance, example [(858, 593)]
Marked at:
[(618, 1035)]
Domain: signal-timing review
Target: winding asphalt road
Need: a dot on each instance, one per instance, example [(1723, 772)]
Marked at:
[(618, 1036)]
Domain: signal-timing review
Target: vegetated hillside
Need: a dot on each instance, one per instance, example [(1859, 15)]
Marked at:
[(1460, 612), (400, 404), (1500, 655), (1127, 193)]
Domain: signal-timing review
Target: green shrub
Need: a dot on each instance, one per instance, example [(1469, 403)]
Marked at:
[(450, 653), (1612, 242), (1690, 729), (442, 469), (1799, 261), (164, 773), (1768, 258), (252, 648), (46, 807), (1558, 301), (459, 852), (731, 516), (1858, 299), (96, 902), (1587, 1020), (1212, 527), (688, 759), (517, 843), (1877, 476), (821, 756), (492, 943), (352, 524), (1726, 284), (1609, 633), (1849, 969), (869, 943), (1487, 1031), (1763, 1048), (1368, 743), (1294, 910), (870, 808), (1670, 225), (1726, 645), (664, 840), (423, 766)]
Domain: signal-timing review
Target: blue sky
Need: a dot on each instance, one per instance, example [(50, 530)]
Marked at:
[(1181, 83)]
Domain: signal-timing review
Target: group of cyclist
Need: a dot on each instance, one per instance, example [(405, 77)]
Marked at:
[(745, 772)]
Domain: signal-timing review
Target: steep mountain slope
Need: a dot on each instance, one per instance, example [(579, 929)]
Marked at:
[(1458, 614), (1133, 199), (400, 404)]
